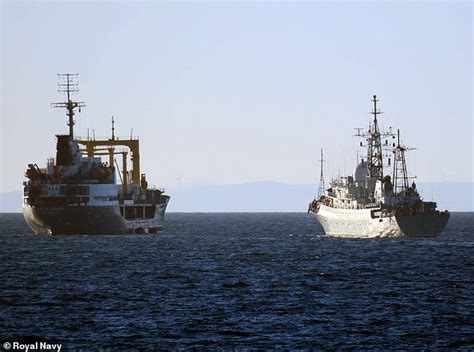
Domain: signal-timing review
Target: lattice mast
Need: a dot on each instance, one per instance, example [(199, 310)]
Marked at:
[(400, 175), (68, 85), (321, 187), (374, 147)]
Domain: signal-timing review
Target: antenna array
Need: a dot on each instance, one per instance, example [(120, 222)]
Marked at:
[(68, 85)]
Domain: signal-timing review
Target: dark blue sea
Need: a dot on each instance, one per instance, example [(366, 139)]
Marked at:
[(238, 281)]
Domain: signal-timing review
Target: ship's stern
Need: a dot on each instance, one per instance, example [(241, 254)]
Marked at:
[(423, 225)]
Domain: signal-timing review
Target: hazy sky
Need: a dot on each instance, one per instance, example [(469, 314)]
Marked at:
[(225, 93)]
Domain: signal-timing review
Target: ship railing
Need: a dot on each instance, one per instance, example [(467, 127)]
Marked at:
[(100, 138), (155, 188)]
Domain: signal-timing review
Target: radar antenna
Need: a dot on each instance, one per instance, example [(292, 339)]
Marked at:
[(68, 85)]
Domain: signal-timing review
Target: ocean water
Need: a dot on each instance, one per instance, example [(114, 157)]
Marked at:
[(213, 281)]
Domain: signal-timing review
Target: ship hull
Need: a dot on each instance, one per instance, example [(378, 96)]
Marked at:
[(429, 225), (359, 223), (148, 225), (89, 220)]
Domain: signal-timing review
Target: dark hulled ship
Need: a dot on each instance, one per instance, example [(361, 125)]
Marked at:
[(78, 193)]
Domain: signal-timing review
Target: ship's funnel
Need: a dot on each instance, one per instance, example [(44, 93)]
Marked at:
[(63, 151)]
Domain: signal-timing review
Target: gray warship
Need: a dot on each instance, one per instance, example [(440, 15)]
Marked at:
[(78, 193), (371, 203)]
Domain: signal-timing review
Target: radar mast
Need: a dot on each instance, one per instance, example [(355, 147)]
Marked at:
[(400, 175), (68, 85), (374, 147), (321, 179)]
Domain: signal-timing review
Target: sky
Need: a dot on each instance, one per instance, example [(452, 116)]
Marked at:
[(235, 92)]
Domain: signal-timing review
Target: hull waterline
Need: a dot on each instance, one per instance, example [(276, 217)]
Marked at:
[(89, 220), (358, 223)]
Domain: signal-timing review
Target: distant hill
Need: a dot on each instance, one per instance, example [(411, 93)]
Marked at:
[(280, 197), (245, 197), (454, 196), (270, 196)]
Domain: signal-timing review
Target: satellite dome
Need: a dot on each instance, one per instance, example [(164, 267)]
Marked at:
[(360, 172)]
